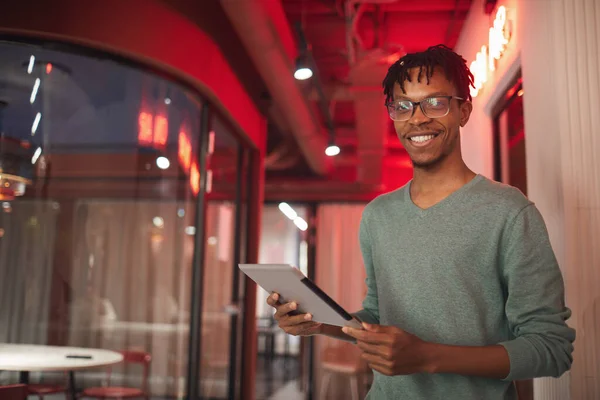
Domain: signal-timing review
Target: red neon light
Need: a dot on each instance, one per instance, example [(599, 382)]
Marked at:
[(161, 130), (185, 150), (145, 128), (48, 68), (485, 60), (195, 179)]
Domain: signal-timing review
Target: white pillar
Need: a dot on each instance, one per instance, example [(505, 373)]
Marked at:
[(561, 81)]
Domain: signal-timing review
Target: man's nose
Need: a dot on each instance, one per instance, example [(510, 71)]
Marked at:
[(418, 117)]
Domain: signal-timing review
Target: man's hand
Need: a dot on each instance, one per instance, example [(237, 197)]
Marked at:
[(297, 325), (390, 350)]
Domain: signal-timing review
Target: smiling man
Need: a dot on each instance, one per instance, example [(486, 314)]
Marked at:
[(464, 293)]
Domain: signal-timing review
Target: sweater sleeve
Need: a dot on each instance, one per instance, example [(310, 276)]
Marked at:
[(535, 305), (370, 311)]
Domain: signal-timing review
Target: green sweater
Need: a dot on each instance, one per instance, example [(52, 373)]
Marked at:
[(475, 269)]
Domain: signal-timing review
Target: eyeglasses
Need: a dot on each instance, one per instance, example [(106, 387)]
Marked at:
[(432, 107)]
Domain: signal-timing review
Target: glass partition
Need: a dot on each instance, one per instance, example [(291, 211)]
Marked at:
[(99, 181)]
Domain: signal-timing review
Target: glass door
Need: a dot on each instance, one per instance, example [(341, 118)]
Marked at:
[(220, 367), (509, 138)]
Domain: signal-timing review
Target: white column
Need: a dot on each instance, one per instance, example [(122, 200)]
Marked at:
[(560, 63)]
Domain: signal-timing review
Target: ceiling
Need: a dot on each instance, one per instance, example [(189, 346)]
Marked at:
[(352, 43), (380, 32)]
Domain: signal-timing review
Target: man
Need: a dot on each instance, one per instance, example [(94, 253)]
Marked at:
[(464, 294)]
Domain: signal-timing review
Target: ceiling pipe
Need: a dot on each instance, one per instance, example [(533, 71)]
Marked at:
[(352, 13), (253, 21), (371, 117)]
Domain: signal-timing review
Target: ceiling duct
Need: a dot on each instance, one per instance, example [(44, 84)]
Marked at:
[(258, 24)]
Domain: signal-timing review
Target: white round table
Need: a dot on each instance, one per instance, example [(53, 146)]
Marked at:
[(28, 358)]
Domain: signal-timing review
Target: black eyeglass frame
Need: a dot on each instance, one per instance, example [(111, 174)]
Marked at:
[(414, 105)]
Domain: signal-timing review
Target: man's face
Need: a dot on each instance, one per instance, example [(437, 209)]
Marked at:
[(440, 137)]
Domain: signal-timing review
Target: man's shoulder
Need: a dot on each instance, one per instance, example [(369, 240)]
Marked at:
[(502, 196), (384, 202)]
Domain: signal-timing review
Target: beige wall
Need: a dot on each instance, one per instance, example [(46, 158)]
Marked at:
[(476, 136), (556, 43)]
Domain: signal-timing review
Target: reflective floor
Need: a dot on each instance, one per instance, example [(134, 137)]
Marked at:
[(273, 376)]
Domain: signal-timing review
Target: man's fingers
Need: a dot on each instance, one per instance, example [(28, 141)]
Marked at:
[(311, 330), (376, 360), (381, 369), (273, 299), (367, 336), (292, 320), (304, 328), (374, 349), (285, 309), (359, 334)]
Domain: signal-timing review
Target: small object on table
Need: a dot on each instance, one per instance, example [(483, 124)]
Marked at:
[(82, 357)]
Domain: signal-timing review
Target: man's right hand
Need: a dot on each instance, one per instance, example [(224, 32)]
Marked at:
[(296, 325)]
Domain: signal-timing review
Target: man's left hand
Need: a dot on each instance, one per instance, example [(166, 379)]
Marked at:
[(390, 350)]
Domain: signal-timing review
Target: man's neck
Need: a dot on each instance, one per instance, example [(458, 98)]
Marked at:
[(443, 178)]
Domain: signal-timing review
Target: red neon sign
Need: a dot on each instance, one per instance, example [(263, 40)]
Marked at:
[(185, 150), (161, 130), (153, 130), (145, 128), (485, 60), (195, 179)]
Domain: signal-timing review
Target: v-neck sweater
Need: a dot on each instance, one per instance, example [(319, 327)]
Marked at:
[(475, 269)]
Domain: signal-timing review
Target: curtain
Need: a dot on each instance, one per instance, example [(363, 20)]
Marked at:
[(218, 285), (27, 232), (340, 273), (27, 236), (131, 268)]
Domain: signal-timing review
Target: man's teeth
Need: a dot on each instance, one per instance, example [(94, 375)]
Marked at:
[(422, 138)]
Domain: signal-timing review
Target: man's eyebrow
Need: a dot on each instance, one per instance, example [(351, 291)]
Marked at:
[(402, 96)]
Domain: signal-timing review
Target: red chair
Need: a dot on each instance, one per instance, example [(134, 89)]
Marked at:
[(45, 389), (41, 389), (13, 392), (119, 392)]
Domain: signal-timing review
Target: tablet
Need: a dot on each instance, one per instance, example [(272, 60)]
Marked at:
[(291, 285)]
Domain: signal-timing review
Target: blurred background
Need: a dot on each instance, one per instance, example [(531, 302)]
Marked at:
[(149, 146)]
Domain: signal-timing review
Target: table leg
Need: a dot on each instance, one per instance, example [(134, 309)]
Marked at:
[(72, 387), (24, 377)]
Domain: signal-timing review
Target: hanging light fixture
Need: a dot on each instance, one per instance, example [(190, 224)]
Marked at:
[(332, 149), (303, 69), (15, 163)]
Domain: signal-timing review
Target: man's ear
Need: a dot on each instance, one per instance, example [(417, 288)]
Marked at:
[(465, 112)]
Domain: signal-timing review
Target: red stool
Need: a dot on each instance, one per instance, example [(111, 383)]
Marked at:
[(13, 392), (118, 392)]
